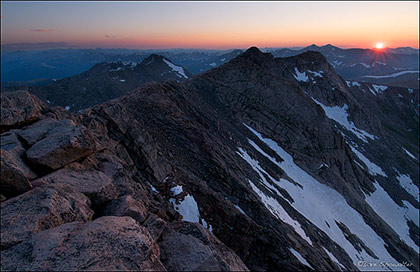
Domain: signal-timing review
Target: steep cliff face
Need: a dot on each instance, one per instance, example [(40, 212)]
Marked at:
[(261, 164)]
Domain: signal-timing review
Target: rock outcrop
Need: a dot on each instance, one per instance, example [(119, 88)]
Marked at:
[(13, 179), (41, 209), (73, 199), (19, 108), (61, 145), (190, 247), (107, 243)]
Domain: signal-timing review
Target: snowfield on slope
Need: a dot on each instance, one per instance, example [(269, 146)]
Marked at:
[(177, 69), (372, 168), (394, 215), (408, 185), (269, 202), (300, 258), (320, 210), (340, 115)]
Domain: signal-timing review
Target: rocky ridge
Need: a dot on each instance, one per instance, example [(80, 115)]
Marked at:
[(218, 165)]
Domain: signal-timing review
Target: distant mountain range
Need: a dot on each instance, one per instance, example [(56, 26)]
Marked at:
[(394, 66), (397, 67), (108, 80), (29, 67)]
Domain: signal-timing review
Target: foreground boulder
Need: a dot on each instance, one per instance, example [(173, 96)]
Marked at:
[(127, 206), (190, 247), (108, 243), (90, 182), (62, 145), (19, 108), (10, 142), (40, 209), (13, 179)]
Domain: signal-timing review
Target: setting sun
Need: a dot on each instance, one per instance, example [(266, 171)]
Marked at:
[(379, 45)]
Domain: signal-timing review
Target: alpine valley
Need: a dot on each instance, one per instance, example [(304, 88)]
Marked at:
[(264, 161)]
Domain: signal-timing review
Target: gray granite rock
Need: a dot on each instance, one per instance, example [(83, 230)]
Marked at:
[(107, 244), (40, 209)]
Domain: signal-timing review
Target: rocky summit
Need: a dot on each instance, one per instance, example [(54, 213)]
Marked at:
[(262, 163)]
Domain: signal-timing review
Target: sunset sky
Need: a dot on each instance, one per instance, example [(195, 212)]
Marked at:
[(217, 25)]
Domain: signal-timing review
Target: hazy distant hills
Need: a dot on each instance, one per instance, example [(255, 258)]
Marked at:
[(21, 67), (391, 66)]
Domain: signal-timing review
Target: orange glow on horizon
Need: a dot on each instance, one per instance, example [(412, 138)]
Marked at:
[(379, 45), (238, 40), (212, 25)]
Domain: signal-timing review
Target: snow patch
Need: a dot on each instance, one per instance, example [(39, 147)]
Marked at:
[(115, 70), (336, 63), (178, 69), (360, 63), (131, 63), (176, 190), (394, 215), (300, 258), (377, 89), (379, 62), (259, 170), (277, 210), (188, 208), (300, 76), (312, 204), (323, 165), (206, 225), (372, 168), (333, 258), (212, 64), (408, 185), (409, 154), (239, 209), (67, 107), (318, 74), (122, 80), (339, 114), (152, 187)]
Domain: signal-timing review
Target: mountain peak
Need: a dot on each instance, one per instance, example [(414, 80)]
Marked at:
[(255, 53), (313, 56), (253, 50), (152, 58), (312, 46)]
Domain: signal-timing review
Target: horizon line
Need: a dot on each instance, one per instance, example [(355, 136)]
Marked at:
[(76, 47)]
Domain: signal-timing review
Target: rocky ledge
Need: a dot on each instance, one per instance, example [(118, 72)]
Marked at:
[(73, 200)]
